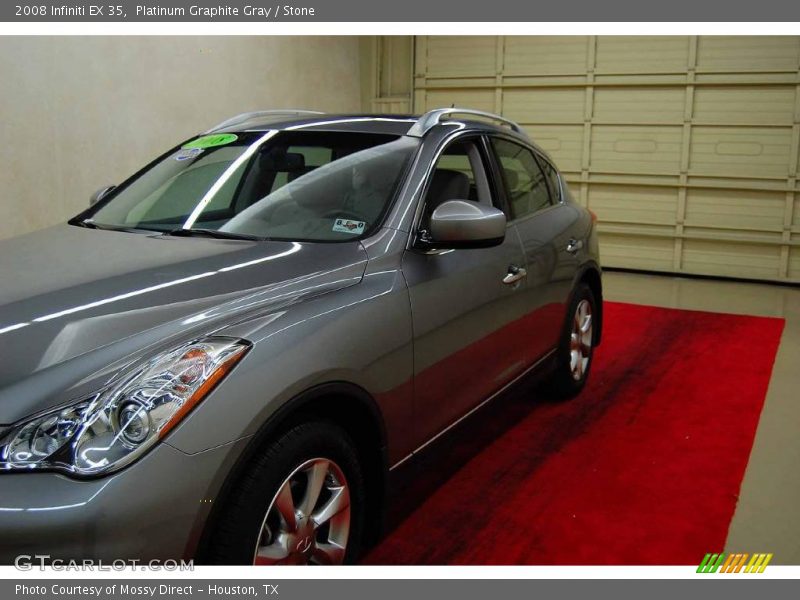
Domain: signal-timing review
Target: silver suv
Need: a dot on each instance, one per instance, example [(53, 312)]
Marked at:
[(230, 355)]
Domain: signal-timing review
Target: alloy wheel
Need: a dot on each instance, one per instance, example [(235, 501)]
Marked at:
[(308, 520), (580, 342)]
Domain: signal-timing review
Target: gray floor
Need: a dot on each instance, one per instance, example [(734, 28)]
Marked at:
[(767, 517)]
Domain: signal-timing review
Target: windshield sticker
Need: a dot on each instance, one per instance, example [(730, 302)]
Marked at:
[(188, 153), (209, 141), (348, 226)]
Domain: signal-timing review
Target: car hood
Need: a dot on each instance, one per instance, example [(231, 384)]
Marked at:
[(76, 303)]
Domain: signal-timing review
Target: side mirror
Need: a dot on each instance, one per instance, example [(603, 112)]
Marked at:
[(100, 194), (466, 224)]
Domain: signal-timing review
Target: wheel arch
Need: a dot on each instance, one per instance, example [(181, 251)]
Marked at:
[(590, 275), (345, 404)]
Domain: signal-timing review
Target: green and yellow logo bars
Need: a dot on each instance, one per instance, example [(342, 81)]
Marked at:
[(734, 563)]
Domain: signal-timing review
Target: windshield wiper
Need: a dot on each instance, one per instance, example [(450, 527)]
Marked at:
[(213, 233), (89, 224), (85, 223)]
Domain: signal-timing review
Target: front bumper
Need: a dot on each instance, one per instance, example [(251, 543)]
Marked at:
[(154, 509)]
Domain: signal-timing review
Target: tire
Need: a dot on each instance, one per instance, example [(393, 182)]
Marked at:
[(572, 370), (255, 525)]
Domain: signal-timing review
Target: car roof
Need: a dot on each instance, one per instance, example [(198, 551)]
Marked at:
[(435, 123), (374, 123)]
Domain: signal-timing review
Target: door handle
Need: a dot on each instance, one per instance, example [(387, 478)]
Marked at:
[(574, 245), (514, 274)]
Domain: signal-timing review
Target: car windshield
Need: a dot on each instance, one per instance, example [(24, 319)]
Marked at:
[(313, 186)]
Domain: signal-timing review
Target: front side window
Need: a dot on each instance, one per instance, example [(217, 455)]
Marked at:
[(458, 174), (315, 186), (525, 182)]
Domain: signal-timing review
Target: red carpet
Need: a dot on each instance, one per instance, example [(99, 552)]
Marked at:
[(644, 467)]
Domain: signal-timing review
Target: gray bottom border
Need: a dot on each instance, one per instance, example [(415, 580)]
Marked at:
[(704, 587)]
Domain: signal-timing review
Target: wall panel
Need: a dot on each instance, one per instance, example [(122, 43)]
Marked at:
[(88, 111), (686, 147)]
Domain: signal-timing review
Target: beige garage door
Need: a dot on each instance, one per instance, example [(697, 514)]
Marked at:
[(685, 147)]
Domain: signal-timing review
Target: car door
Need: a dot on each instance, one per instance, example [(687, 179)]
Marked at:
[(464, 316), (532, 190)]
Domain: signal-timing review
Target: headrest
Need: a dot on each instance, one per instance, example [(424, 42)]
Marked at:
[(446, 185), (297, 173), (512, 180), (281, 161)]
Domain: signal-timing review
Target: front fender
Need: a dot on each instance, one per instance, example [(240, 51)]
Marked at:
[(360, 335)]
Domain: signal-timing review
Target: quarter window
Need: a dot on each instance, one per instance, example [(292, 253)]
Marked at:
[(552, 178), (525, 182)]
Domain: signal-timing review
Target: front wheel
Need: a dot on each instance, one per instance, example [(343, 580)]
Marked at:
[(576, 346), (301, 502)]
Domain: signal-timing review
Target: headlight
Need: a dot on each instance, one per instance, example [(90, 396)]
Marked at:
[(119, 424)]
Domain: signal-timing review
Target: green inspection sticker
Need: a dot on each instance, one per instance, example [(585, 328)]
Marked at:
[(209, 141)]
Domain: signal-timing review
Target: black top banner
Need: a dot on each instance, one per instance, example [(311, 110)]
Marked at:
[(405, 11)]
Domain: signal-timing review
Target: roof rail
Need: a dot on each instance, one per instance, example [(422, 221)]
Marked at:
[(262, 113), (437, 115)]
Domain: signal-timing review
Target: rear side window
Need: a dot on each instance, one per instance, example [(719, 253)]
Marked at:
[(525, 182)]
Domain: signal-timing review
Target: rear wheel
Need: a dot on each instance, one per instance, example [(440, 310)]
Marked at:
[(576, 347), (301, 502)]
